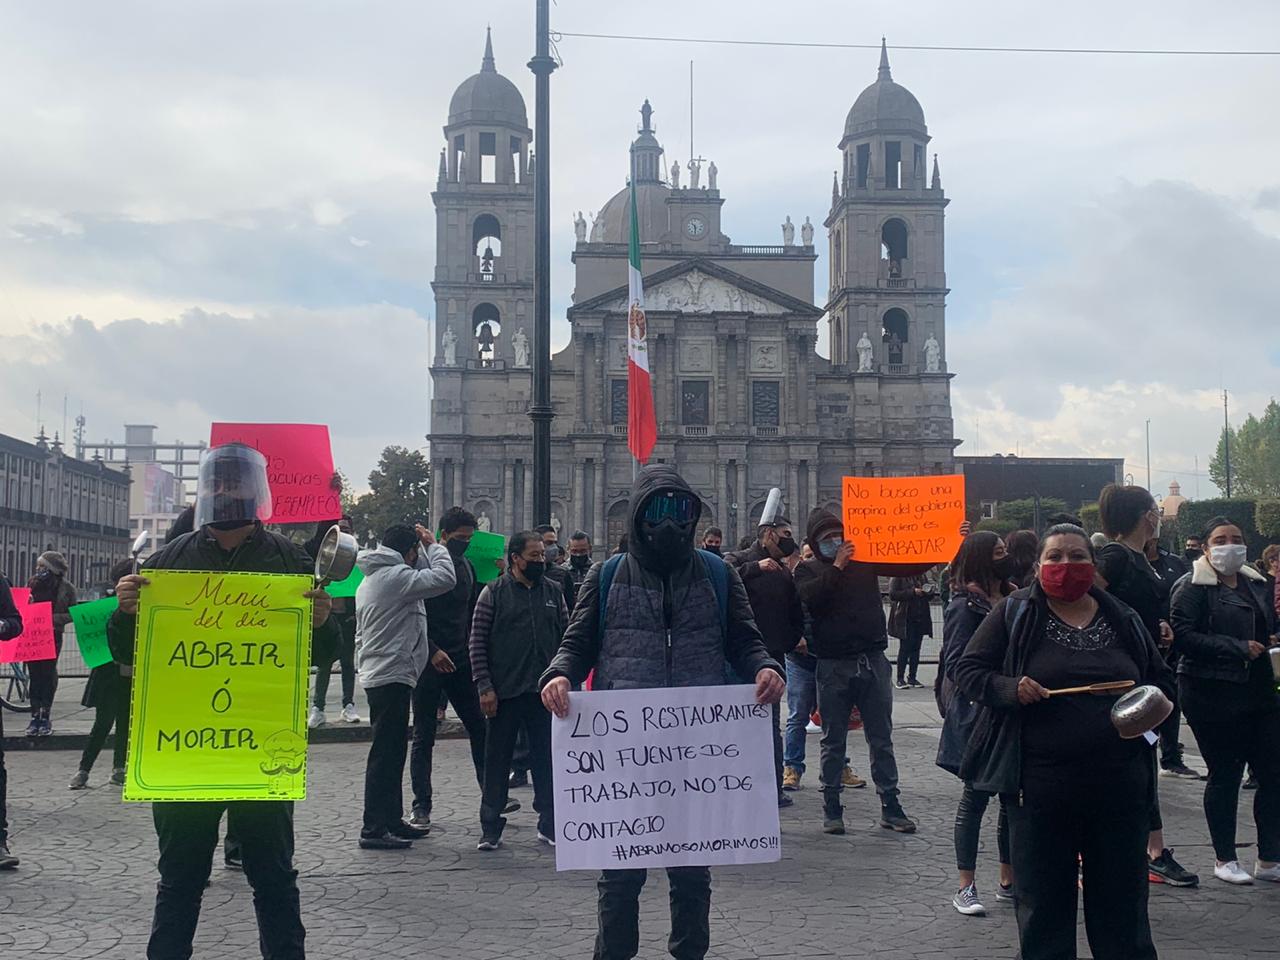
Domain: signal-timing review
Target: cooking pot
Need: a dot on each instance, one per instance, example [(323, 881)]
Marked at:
[(1140, 711), (1274, 654), (336, 557)]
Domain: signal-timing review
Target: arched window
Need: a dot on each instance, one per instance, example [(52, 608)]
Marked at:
[(486, 240), (893, 245), (895, 325), (486, 325)]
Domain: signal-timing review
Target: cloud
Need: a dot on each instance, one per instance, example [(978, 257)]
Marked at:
[(1165, 295), (359, 370)]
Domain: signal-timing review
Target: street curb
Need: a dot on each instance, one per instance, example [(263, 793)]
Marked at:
[(330, 733)]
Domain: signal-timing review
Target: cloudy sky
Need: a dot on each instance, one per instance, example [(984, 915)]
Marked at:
[(221, 209)]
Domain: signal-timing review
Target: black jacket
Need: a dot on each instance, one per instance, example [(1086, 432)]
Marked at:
[(580, 650), (848, 617), (995, 659), (449, 614), (910, 614), (1212, 624), (774, 600), (563, 578), (514, 633), (262, 552), (10, 618)]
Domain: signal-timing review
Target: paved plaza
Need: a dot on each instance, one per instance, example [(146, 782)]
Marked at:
[(87, 882)]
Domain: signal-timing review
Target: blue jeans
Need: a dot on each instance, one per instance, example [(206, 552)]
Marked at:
[(802, 696)]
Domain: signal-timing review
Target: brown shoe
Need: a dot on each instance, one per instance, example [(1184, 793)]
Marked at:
[(851, 779)]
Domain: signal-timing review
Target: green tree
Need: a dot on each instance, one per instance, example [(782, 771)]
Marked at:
[(399, 492), (1255, 456), (1022, 513)]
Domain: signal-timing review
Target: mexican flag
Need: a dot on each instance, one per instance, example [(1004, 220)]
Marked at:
[(642, 425)]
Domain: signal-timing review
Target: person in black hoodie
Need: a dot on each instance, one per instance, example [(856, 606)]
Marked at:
[(910, 620), (776, 604), (629, 650), (1075, 791), (10, 627), (449, 672), (842, 596)]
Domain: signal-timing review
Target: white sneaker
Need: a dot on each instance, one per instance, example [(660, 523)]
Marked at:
[(812, 727), (315, 718), (1232, 873), (967, 902), (543, 838), (1270, 874), (349, 714)]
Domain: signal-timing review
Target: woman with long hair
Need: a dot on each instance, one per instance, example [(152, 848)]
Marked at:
[(1022, 546), (1078, 795), (980, 580), (1223, 621)]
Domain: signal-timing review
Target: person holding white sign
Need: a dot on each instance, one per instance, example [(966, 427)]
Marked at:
[(660, 615)]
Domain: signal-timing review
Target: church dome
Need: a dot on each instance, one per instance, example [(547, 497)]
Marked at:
[(884, 104), (613, 224), (488, 97)]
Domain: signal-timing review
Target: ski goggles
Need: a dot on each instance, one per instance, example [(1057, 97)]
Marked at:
[(673, 505)]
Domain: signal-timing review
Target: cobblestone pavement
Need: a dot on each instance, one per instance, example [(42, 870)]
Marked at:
[(86, 885)]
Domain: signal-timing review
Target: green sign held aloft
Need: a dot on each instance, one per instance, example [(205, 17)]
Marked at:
[(347, 587), (90, 620), (484, 550)]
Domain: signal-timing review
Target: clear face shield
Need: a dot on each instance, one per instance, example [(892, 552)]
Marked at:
[(231, 488)]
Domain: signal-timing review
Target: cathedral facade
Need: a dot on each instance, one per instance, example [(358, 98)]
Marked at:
[(743, 400)]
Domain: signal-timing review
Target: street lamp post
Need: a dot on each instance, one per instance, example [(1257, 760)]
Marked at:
[(541, 411)]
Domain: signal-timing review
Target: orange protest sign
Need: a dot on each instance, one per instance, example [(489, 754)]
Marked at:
[(903, 519)]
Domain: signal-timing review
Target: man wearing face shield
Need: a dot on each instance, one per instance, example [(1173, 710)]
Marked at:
[(664, 624), (776, 604), (232, 500)]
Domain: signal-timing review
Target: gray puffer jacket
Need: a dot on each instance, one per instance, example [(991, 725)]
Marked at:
[(646, 605)]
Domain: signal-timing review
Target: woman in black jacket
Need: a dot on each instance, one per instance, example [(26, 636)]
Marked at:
[(1223, 620), (1075, 791), (980, 570), (910, 620)]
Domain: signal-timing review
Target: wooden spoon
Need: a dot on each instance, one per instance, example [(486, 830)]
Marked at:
[(1095, 687)]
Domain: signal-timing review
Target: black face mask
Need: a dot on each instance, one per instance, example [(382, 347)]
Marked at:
[(533, 571), (582, 562), (1192, 555), (786, 546), (715, 550), (1003, 568), (43, 574), (671, 541), (457, 548), (226, 525)]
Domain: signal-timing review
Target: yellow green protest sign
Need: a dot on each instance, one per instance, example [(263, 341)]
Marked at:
[(220, 687)]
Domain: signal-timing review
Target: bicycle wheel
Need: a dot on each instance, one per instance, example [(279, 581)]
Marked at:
[(15, 688)]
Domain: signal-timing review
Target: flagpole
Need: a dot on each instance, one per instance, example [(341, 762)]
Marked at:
[(540, 411)]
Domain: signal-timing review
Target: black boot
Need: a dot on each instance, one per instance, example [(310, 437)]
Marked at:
[(832, 818)]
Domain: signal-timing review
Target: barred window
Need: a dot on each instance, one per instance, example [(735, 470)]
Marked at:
[(764, 403)]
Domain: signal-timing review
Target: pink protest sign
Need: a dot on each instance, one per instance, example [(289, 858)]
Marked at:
[(299, 467), (36, 640)]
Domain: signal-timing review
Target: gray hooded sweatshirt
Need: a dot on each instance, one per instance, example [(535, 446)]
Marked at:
[(391, 620)]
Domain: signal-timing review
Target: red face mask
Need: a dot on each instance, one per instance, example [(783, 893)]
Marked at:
[(1066, 581)]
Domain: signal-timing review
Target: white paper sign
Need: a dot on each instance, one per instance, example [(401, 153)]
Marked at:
[(664, 777)]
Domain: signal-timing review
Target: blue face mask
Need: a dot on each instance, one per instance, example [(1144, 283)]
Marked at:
[(829, 548)]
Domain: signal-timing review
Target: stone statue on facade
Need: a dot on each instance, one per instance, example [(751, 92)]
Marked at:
[(520, 344), (449, 343), (864, 353), (555, 525), (788, 232), (932, 355), (675, 175), (580, 227), (483, 522), (806, 233), (597, 229), (695, 172), (712, 173)]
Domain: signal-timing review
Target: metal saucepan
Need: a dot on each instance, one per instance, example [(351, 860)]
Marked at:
[(1274, 654), (1140, 711), (336, 557)]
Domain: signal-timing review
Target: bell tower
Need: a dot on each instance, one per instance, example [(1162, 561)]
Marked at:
[(483, 280)]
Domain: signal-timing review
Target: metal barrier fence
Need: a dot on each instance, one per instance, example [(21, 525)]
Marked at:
[(71, 664)]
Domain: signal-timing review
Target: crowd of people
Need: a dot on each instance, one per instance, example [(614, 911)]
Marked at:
[(1026, 618)]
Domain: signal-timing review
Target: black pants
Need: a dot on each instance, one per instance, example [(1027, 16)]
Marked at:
[(842, 685), (344, 653), (524, 712), (188, 834), (4, 788), (909, 654), (618, 934), (114, 712), (969, 812), (461, 691), (777, 746), (1227, 745), (44, 680), (520, 756), (384, 771), (1101, 815)]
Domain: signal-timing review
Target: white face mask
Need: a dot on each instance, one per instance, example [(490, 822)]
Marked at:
[(1228, 558)]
